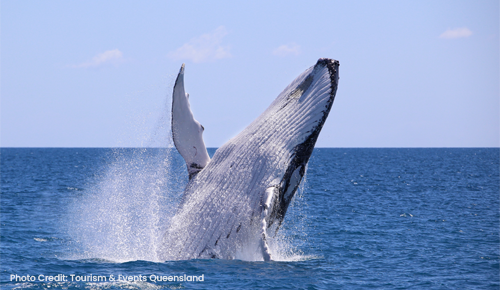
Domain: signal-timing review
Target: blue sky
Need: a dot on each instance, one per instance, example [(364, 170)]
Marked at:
[(100, 73)]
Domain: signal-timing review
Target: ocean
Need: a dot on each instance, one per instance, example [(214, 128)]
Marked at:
[(395, 218)]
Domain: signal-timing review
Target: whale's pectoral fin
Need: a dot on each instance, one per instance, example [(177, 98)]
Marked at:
[(187, 133), (269, 198)]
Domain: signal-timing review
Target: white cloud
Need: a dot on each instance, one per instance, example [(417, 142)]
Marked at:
[(456, 33), (108, 57), (287, 49), (206, 47)]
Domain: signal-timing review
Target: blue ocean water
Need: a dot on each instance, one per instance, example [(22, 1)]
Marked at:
[(364, 219)]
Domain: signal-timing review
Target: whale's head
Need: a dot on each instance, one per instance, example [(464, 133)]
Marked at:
[(300, 111), (295, 120)]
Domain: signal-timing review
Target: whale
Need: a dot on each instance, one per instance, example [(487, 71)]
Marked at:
[(236, 201)]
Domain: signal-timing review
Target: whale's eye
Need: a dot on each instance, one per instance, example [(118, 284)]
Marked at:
[(304, 85)]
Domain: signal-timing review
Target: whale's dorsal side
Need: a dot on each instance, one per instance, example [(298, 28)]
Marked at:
[(187, 133)]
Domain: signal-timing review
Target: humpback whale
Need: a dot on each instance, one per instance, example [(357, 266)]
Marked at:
[(237, 200)]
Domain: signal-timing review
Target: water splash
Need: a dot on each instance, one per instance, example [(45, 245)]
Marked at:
[(128, 209), (125, 211)]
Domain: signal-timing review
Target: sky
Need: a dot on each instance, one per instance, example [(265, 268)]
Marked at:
[(101, 73)]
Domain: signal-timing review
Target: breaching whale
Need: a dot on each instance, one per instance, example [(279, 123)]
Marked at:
[(234, 202)]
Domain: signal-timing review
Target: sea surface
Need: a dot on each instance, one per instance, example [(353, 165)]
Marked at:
[(93, 218)]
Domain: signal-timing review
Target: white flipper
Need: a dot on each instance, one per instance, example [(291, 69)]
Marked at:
[(186, 131), (267, 203)]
